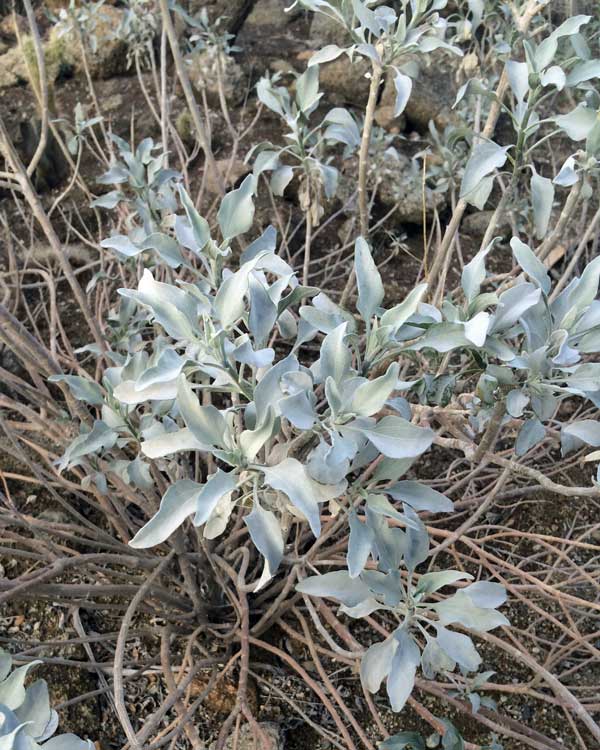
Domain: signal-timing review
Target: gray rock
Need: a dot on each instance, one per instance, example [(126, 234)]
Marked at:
[(13, 69), (475, 225), (267, 13), (433, 94), (325, 31), (232, 12), (401, 181), (345, 83), (110, 56), (203, 68)]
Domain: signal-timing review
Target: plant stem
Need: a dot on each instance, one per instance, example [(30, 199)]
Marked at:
[(522, 21), (307, 241), (491, 432), (363, 165), (189, 94), (363, 158)]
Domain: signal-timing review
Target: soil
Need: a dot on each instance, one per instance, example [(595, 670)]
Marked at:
[(23, 625)]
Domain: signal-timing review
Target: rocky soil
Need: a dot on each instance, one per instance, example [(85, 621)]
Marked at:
[(268, 39)]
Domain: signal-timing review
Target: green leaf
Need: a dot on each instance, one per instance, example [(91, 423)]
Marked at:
[(236, 212), (431, 582), (461, 609), (12, 689), (35, 711), (291, 478), (128, 392), (403, 85), (473, 274), (544, 54), (518, 78), (168, 443), (398, 315), (581, 432), (420, 497), (266, 535), (166, 247), (459, 647), (178, 502), (198, 224), (370, 397), (404, 741), (335, 359), (542, 196), (531, 264), (307, 89), (401, 679), (206, 423), (370, 286), (172, 308), (341, 128), (484, 159), (397, 438), (251, 441), (81, 388), (217, 485), (376, 663), (336, 585), (578, 123), (328, 53), (108, 200), (101, 437), (531, 433), (359, 545), (583, 71)]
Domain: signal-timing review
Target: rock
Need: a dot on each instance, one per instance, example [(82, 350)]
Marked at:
[(266, 13), (401, 181), (203, 68), (13, 69), (345, 83), (385, 118), (284, 67), (52, 168), (232, 13), (187, 132), (475, 225), (112, 103), (16, 64), (248, 741), (432, 96), (230, 174), (563, 9), (77, 253), (110, 56), (324, 30), (7, 27)]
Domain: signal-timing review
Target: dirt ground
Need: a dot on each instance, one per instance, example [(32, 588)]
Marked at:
[(263, 45)]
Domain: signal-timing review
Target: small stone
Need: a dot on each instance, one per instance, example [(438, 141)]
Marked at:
[(475, 224), (207, 66), (112, 103), (385, 118), (267, 14), (110, 55), (229, 173)]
